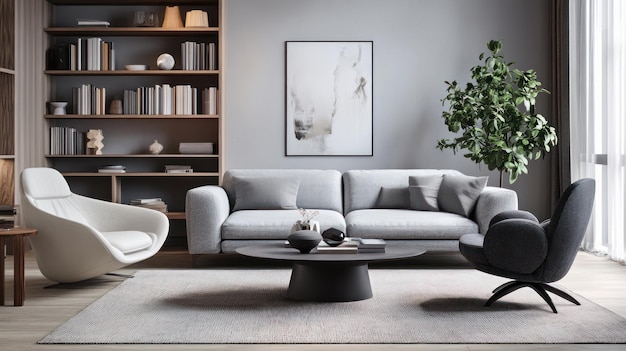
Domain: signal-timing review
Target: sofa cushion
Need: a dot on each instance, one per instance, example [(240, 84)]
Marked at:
[(362, 187), (393, 197), (129, 241), (423, 191), (458, 193), (266, 193), (273, 224), (319, 189), (407, 224)]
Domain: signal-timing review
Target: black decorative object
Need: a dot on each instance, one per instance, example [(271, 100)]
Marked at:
[(304, 240), (333, 236)]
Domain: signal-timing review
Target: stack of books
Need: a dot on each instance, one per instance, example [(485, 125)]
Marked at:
[(152, 203), (346, 247), (7, 216), (89, 100), (198, 56), (353, 246), (162, 99), (370, 245), (112, 169), (178, 169), (66, 141)]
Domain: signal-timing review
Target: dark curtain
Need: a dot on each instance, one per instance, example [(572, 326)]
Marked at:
[(560, 172)]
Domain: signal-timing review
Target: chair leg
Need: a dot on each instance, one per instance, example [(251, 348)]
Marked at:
[(540, 289), (560, 293), (504, 290)]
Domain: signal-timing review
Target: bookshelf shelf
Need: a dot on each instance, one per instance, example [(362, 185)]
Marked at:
[(137, 156), (139, 174), (123, 72), (109, 116), (130, 31), (126, 136)]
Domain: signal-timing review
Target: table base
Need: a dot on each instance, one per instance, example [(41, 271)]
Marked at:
[(330, 281)]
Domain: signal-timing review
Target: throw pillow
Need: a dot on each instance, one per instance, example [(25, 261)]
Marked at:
[(393, 198), (266, 193), (423, 191), (458, 193)]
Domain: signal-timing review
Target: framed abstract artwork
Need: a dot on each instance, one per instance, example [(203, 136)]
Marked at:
[(328, 98)]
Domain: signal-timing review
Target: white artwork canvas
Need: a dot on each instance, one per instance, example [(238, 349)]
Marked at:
[(328, 98)]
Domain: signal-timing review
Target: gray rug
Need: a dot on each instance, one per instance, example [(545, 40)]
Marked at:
[(409, 306)]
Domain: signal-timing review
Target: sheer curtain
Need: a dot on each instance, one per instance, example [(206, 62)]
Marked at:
[(598, 116)]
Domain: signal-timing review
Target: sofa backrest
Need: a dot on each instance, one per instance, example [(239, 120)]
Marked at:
[(362, 187), (318, 189)]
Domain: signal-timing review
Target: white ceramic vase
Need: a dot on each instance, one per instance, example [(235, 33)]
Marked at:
[(155, 148)]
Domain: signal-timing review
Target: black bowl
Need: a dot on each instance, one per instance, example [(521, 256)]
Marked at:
[(304, 240)]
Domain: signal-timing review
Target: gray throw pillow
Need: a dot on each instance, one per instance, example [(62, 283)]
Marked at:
[(423, 192), (458, 193), (393, 198), (266, 193)]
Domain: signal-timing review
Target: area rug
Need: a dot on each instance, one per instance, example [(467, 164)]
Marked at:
[(241, 306)]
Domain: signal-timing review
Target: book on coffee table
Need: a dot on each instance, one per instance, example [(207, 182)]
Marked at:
[(351, 247), (370, 245)]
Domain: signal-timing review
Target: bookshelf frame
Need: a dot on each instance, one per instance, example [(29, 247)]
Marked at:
[(121, 184)]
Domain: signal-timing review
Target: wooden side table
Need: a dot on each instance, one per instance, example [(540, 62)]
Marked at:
[(18, 235)]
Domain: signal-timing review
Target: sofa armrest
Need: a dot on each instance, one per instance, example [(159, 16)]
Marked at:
[(206, 209), (492, 201)]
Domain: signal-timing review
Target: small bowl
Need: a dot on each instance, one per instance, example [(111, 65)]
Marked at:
[(136, 67), (304, 240)]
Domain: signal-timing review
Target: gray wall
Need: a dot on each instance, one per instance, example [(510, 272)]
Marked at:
[(418, 44)]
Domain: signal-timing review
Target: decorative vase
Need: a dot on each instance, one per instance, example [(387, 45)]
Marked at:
[(94, 142), (304, 240), (196, 18), (306, 225), (116, 107), (172, 17), (155, 148), (58, 107)]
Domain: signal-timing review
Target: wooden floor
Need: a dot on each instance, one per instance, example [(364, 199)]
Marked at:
[(46, 306)]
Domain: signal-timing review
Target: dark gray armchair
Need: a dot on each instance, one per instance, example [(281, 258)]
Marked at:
[(534, 254)]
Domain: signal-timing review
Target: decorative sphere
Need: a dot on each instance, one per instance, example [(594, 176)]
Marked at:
[(333, 236), (304, 240), (165, 61)]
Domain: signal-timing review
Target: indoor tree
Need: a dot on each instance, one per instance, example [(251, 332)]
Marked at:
[(495, 116)]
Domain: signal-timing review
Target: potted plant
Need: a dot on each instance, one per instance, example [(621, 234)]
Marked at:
[(495, 116)]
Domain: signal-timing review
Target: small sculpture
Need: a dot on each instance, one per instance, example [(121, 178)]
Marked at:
[(333, 236), (94, 142), (165, 62), (116, 107)]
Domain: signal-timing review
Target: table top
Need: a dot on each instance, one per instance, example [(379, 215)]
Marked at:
[(279, 252), (17, 231)]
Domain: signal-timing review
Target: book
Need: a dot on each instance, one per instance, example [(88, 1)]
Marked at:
[(111, 171), (145, 201), (92, 22), (347, 247), (188, 170), (372, 243)]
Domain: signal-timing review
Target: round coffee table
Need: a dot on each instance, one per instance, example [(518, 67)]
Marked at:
[(328, 277)]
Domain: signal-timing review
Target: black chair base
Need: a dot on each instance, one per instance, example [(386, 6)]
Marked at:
[(540, 288)]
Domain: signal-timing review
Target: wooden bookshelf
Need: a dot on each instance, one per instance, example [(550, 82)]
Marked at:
[(7, 102), (123, 133)]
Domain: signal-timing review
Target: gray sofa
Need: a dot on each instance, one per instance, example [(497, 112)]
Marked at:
[(260, 206)]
